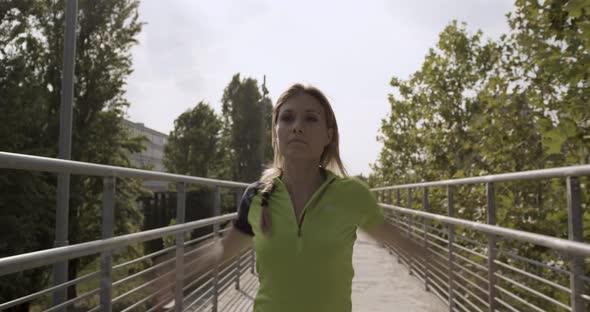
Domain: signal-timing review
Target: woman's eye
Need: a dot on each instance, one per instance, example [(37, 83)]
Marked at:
[(312, 119), (287, 118)]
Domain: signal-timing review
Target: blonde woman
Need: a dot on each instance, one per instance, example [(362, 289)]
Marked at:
[(303, 214)]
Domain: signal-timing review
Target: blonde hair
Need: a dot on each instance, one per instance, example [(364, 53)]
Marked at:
[(330, 158)]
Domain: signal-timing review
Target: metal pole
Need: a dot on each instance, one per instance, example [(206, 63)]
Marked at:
[(60, 270), (238, 270), (426, 223), (263, 122), (216, 212), (106, 257), (575, 233), (398, 199), (389, 214), (451, 231), (389, 197), (491, 200), (410, 231), (217, 209), (180, 219)]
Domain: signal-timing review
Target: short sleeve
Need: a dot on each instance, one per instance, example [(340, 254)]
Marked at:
[(241, 222), (371, 214)]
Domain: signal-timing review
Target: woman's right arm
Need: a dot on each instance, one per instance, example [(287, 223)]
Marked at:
[(207, 256), (233, 243), (219, 251)]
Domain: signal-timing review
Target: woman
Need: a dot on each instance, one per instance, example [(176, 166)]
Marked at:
[(302, 216)]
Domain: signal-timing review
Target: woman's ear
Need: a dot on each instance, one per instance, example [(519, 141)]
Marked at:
[(330, 135)]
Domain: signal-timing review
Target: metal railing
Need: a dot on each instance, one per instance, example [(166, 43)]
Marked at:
[(191, 288), (472, 272), (470, 267)]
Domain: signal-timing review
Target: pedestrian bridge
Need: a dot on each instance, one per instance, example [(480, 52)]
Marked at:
[(474, 265)]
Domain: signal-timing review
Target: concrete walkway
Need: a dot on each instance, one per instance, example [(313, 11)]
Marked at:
[(380, 285), (383, 285)]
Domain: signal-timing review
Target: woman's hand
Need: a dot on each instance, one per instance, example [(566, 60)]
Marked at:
[(388, 234)]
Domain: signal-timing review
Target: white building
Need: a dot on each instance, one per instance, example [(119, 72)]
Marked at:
[(153, 156)]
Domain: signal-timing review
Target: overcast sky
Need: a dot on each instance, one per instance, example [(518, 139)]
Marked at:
[(189, 50)]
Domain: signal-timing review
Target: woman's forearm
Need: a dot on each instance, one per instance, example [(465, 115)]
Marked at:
[(391, 235)]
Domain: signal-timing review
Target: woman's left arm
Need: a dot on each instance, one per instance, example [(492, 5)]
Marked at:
[(389, 234)]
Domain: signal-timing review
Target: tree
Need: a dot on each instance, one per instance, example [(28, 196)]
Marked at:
[(193, 146), (31, 45), (194, 149), (242, 121), (550, 46), (437, 105), (515, 104)]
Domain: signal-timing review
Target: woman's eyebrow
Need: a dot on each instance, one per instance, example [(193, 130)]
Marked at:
[(288, 110)]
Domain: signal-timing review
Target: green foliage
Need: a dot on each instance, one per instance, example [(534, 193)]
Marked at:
[(242, 132), (196, 147), (225, 147), (193, 146), (480, 107), (31, 45)]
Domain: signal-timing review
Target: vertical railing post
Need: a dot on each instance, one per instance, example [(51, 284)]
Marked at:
[(426, 223), (451, 236), (238, 269), (380, 198), (216, 212), (389, 214), (106, 257), (389, 197), (180, 218), (410, 230), (398, 200), (491, 216), (575, 233), (60, 269)]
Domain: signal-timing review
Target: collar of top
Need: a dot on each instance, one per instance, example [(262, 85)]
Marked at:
[(329, 177)]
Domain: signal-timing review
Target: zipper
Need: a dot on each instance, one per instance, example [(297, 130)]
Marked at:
[(301, 223), (316, 194)]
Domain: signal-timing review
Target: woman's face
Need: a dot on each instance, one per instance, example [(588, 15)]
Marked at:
[(302, 131)]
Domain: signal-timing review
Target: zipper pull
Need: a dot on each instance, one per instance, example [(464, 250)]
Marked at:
[(299, 232)]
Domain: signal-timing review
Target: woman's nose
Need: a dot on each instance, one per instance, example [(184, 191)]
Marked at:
[(297, 127)]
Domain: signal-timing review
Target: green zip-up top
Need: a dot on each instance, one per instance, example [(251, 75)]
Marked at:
[(306, 265)]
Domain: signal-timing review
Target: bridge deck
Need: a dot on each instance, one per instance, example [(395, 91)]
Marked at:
[(380, 284)]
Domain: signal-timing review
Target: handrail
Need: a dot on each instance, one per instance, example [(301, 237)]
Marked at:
[(108, 244), (43, 257), (46, 164), (572, 250), (560, 172), (559, 244)]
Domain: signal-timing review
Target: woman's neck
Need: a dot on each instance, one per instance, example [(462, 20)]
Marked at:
[(303, 177)]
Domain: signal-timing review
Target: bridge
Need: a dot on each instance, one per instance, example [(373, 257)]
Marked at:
[(474, 266)]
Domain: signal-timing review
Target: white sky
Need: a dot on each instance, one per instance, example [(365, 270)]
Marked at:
[(189, 50)]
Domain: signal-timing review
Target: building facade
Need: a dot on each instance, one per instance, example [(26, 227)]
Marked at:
[(153, 157)]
